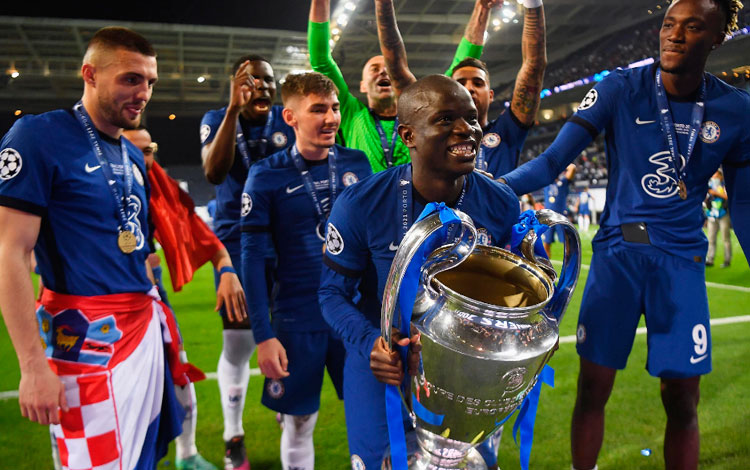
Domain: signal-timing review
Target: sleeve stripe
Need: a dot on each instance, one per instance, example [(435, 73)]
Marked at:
[(340, 269), (22, 205), (585, 124), (256, 228)]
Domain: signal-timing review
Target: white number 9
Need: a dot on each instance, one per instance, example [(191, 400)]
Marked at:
[(700, 338)]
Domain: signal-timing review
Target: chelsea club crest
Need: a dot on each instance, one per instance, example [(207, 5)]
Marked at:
[(491, 140), (279, 139), (710, 132), (275, 389)]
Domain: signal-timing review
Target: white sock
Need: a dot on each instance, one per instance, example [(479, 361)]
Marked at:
[(596, 467), (55, 451), (297, 451), (185, 442), (233, 374)]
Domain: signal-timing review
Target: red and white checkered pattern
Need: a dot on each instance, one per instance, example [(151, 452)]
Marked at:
[(110, 411)]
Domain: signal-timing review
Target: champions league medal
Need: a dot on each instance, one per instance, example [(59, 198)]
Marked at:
[(683, 189), (126, 241), (668, 129)]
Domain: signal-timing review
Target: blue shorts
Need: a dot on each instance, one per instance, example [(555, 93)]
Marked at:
[(630, 279), (364, 406), (553, 233), (309, 353)]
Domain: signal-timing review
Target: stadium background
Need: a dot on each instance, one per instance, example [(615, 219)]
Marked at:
[(40, 53)]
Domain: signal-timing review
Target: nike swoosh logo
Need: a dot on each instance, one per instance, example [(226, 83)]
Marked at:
[(696, 360), (291, 190), (393, 247), (91, 169), (638, 121)]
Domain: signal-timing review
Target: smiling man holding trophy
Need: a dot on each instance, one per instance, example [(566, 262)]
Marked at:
[(439, 125)]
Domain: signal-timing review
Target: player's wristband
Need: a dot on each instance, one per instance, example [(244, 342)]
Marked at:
[(227, 269), (532, 3)]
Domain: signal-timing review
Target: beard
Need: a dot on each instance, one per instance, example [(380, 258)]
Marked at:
[(116, 117)]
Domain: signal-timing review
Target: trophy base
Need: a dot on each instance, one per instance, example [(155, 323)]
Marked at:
[(420, 458), (424, 460)]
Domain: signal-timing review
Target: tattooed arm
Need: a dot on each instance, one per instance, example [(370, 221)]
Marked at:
[(477, 24), (525, 101), (392, 46)]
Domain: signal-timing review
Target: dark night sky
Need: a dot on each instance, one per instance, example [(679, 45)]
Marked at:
[(271, 14)]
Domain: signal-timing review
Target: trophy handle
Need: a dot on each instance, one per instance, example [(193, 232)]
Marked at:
[(417, 235), (568, 278)]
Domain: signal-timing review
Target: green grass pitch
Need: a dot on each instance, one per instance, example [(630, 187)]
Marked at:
[(635, 419)]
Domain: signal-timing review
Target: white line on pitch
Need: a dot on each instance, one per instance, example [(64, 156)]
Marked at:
[(565, 339), (715, 285), (642, 330)]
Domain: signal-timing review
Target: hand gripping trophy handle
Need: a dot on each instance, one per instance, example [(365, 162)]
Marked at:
[(422, 231), (568, 278)]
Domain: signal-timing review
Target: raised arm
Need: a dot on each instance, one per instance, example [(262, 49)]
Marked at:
[(320, 11), (526, 94), (392, 46), (40, 392), (472, 43), (218, 155), (318, 37), (480, 17)]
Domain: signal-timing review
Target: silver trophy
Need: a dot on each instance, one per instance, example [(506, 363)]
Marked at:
[(488, 321)]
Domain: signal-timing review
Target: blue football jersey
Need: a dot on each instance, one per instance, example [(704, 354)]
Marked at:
[(643, 186), (556, 195), (642, 182), (277, 136), (364, 231), (48, 168), (501, 144), (276, 204)]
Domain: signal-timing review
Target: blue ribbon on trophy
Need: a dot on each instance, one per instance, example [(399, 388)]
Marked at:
[(407, 296), (409, 286)]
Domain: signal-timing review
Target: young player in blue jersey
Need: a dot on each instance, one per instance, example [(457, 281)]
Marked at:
[(74, 191), (235, 137), (556, 199), (440, 126), (286, 202), (503, 137), (668, 128)]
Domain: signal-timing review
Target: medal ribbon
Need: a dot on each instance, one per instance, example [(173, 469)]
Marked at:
[(480, 158), (387, 150), (668, 127), (310, 185), (260, 145), (405, 189), (121, 200)]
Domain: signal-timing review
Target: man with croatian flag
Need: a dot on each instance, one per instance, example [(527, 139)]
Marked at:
[(73, 190)]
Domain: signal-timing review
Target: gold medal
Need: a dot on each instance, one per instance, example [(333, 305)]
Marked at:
[(683, 189), (126, 241)]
